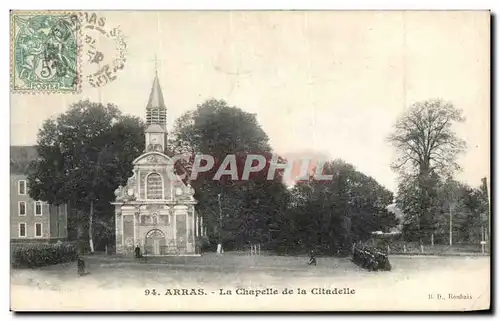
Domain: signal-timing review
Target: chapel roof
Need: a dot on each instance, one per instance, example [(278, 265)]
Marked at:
[(156, 96), (154, 128)]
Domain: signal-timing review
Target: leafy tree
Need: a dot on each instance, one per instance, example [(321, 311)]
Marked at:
[(450, 200), (84, 155), (331, 215), (418, 199), (465, 206), (483, 194), (248, 207)]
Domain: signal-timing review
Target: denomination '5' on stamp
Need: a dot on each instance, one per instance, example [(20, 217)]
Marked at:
[(44, 52)]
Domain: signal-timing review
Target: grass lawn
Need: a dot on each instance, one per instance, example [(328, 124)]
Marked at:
[(118, 283)]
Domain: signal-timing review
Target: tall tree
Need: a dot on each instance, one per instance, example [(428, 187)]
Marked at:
[(427, 150), (247, 207), (84, 154)]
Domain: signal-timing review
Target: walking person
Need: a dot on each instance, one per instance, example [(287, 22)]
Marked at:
[(312, 259)]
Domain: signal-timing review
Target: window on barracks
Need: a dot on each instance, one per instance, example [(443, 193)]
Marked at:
[(38, 229), (38, 208), (22, 187), (22, 229), (22, 208), (154, 187)]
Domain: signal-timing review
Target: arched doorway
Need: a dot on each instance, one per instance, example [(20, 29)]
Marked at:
[(155, 242)]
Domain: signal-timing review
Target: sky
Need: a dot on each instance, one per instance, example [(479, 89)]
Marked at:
[(328, 83)]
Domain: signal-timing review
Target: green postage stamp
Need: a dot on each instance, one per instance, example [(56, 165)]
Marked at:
[(44, 52)]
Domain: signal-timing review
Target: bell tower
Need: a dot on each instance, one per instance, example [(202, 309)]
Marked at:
[(155, 138), (156, 119)]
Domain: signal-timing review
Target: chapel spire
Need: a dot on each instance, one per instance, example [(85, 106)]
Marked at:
[(156, 119), (156, 111)]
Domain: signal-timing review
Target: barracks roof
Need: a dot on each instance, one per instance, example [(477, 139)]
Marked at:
[(20, 157)]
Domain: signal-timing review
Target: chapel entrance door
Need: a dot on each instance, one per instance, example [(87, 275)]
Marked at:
[(156, 247), (155, 242)]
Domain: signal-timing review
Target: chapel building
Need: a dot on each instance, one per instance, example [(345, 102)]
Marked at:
[(156, 209)]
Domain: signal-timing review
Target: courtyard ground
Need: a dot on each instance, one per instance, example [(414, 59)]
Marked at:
[(116, 283)]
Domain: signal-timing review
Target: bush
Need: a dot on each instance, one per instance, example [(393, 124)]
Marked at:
[(36, 255), (204, 242)]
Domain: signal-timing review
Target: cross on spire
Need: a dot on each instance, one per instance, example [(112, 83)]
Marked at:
[(156, 62), (156, 95), (156, 65)]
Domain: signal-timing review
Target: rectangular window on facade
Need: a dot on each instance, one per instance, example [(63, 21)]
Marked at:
[(154, 185), (38, 208), (38, 229), (22, 229), (21, 186), (22, 208)]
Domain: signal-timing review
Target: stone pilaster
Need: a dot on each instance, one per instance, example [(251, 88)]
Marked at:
[(136, 228), (188, 241), (193, 226), (196, 224), (118, 229), (174, 223)]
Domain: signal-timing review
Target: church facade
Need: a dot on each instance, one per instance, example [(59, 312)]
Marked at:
[(155, 210)]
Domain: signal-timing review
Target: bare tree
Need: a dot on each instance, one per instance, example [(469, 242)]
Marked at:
[(425, 141)]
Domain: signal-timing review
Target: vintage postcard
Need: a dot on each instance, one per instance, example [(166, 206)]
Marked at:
[(250, 161)]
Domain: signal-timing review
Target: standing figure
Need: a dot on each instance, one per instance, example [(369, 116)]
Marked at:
[(138, 252), (81, 266), (312, 260), (220, 251), (355, 255)]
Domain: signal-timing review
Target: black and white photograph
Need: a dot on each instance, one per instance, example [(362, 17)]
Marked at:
[(246, 160)]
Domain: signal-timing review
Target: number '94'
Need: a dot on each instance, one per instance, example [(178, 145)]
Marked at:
[(150, 292)]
